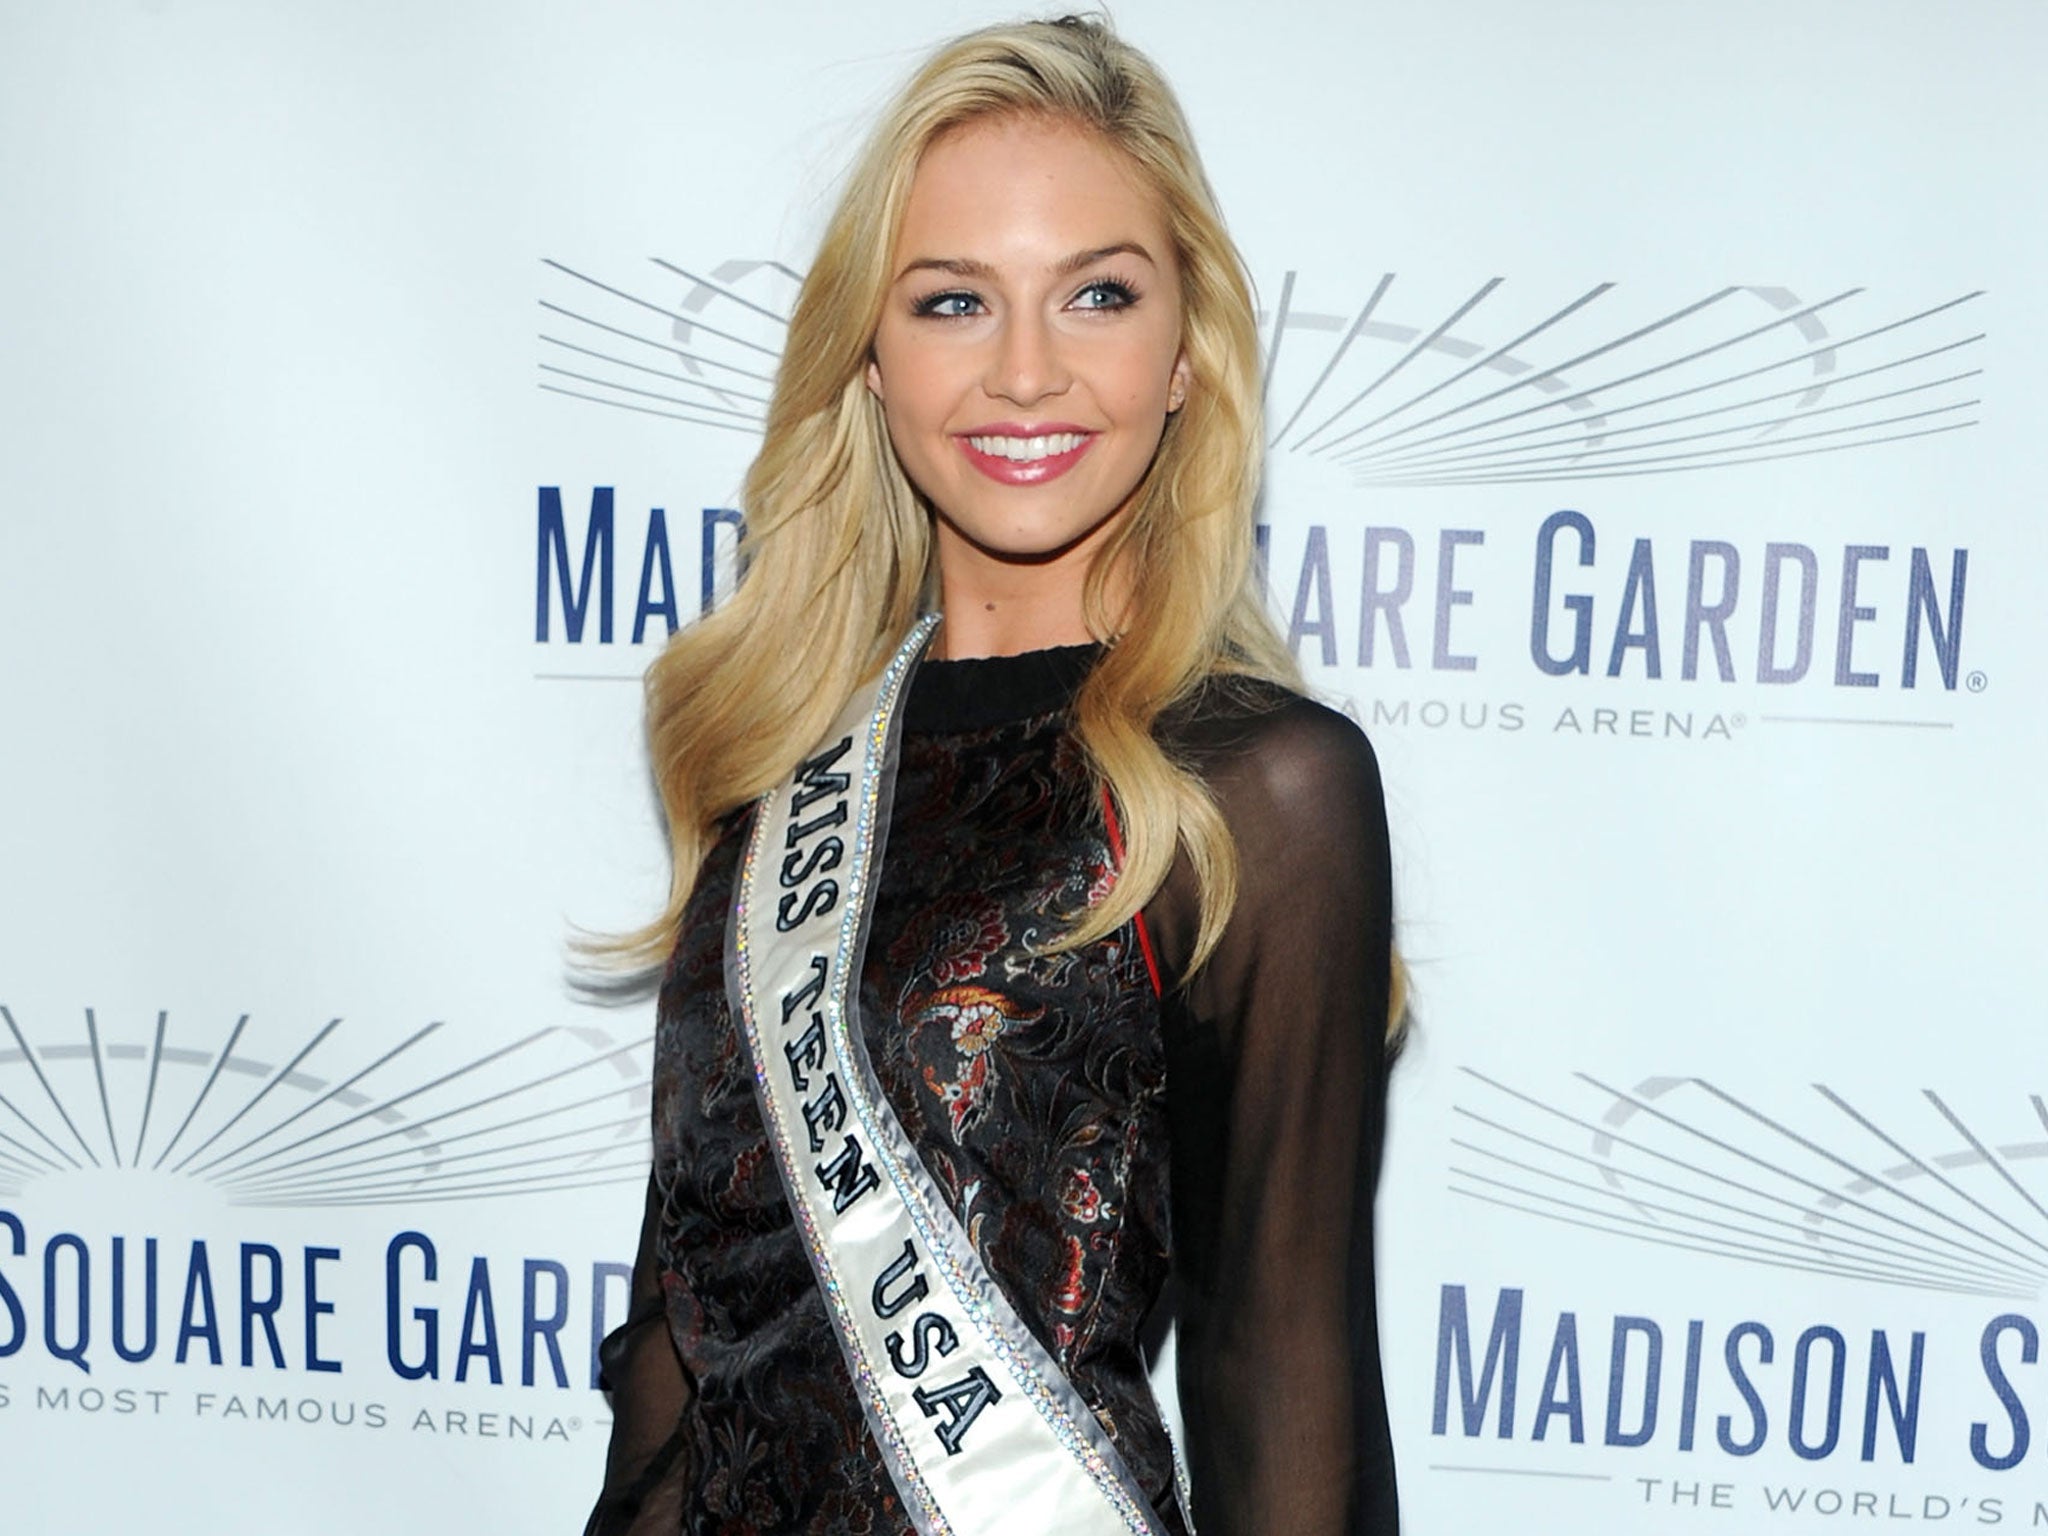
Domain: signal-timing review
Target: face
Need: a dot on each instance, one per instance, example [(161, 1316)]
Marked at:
[(1029, 350)]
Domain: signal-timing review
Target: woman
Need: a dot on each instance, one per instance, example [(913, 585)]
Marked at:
[(1036, 994)]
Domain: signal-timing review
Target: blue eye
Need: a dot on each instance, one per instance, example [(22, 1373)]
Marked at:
[(953, 304), (1108, 293)]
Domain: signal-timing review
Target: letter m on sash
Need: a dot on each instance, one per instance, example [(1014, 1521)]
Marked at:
[(814, 777), (1503, 1351), (848, 1176)]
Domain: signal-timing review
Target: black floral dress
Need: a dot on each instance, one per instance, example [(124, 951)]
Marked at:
[(1117, 1155)]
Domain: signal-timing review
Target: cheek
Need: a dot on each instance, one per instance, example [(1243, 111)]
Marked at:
[(1144, 388), (1146, 377), (915, 391), (914, 426)]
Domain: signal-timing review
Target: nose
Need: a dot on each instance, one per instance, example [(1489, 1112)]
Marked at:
[(1026, 364)]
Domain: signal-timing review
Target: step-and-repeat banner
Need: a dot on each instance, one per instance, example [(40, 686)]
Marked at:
[(1656, 468)]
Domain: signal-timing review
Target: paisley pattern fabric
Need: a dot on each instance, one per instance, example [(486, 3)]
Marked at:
[(1030, 1082), (1035, 1087)]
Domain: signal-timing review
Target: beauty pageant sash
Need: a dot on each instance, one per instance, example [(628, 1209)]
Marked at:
[(981, 1430)]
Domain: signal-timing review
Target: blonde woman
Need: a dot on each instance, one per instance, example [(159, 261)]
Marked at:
[(1029, 969)]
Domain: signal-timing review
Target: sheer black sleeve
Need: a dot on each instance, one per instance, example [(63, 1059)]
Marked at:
[(644, 1469), (1277, 1085)]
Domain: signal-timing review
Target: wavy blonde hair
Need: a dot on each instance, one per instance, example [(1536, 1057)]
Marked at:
[(838, 544)]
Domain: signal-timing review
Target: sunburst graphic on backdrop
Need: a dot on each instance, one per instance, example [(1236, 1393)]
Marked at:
[(322, 1120), (701, 350), (1410, 385), (1912, 1192)]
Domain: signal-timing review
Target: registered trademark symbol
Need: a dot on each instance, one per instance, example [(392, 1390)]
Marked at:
[(574, 1425), (1976, 682), (1738, 720)]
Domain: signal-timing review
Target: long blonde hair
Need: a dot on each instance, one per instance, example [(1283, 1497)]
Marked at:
[(838, 546)]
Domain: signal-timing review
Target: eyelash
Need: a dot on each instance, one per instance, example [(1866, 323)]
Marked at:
[(1123, 295)]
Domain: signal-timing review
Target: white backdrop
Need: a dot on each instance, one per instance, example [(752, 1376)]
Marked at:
[(1727, 1089)]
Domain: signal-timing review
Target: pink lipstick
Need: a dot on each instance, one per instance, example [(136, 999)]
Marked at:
[(1012, 454)]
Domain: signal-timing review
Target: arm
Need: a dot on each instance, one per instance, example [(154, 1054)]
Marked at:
[(645, 1467), (1277, 1073)]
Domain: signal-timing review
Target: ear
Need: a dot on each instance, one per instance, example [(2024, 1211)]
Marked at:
[(1177, 385), (874, 378)]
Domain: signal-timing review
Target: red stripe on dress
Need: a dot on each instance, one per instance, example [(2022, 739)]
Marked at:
[(1116, 848)]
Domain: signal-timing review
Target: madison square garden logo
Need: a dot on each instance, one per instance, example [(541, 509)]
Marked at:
[(1917, 1205), (1455, 529), (149, 1165)]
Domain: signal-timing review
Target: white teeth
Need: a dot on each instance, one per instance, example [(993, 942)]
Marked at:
[(1025, 450)]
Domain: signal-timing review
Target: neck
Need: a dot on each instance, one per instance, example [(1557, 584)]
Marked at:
[(995, 628), (997, 607)]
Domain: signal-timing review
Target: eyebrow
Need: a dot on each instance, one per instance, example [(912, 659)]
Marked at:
[(964, 266)]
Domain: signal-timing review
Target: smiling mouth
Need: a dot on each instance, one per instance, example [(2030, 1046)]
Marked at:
[(1028, 449), (1019, 460)]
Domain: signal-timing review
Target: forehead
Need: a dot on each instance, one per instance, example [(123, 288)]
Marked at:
[(1027, 191)]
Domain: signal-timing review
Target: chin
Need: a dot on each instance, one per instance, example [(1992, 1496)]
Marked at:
[(1031, 547)]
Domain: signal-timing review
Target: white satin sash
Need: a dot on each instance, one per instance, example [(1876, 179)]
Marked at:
[(981, 1430)]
